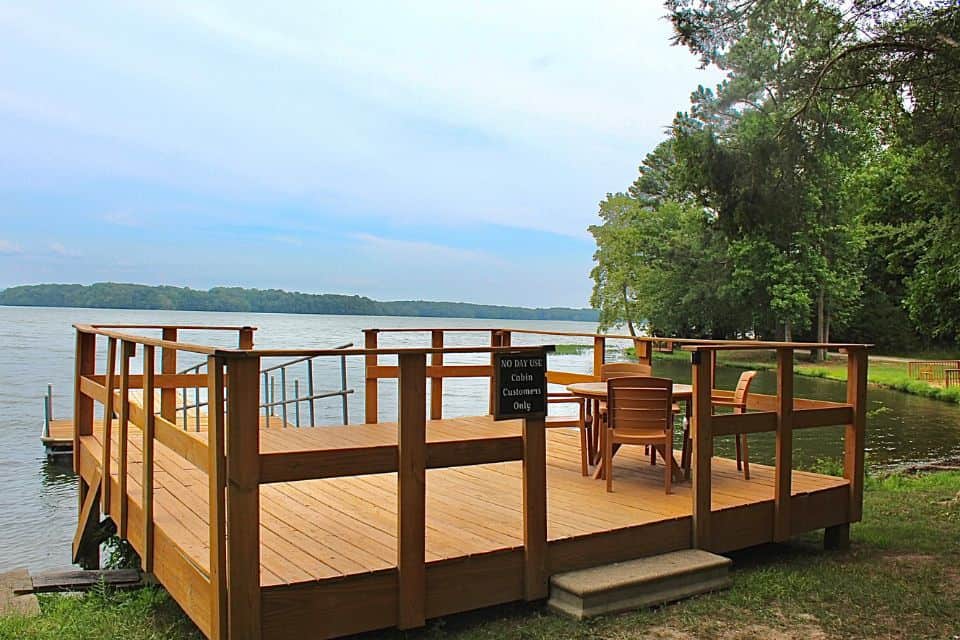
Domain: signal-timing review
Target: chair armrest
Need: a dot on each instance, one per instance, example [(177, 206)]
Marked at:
[(728, 403)]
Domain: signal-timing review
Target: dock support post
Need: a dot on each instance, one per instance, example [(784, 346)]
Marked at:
[(702, 448), (371, 413), (168, 365), (217, 500), (855, 433), (783, 472), (411, 492), (243, 498), (535, 575), (837, 538), (436, 382)]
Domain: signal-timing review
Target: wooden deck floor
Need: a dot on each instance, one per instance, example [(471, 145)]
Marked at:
[(321, 529)]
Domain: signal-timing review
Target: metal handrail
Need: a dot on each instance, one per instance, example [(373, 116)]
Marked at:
[(270, 401)]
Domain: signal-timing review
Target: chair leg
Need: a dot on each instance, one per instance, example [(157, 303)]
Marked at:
[(583, 450), (668, 465), (608, 459), (653, 456), (739, 458), (746, 458)]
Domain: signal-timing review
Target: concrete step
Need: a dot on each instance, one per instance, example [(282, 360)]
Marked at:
[(634, 584), (12, 583)]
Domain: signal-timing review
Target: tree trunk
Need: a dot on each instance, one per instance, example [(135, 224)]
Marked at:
[(787, 331), (626, 312), (820, 354)]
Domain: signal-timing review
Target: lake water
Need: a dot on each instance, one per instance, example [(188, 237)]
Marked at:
[(38, 499)]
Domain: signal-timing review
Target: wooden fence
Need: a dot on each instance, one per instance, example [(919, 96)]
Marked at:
[(931, 370)]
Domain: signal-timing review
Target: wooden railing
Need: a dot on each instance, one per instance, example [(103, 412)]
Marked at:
[(951, 378), (226, 600), (931, 370), (437, 370), (781, 414)]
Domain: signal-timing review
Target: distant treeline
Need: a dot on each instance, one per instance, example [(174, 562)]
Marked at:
[(112, 295)]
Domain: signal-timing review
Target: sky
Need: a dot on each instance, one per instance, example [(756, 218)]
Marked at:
[(427, 150)]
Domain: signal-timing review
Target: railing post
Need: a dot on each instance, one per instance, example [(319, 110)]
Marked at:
[(243, 498), (436, 382), (644, 349), (784, 446), (217, 486), (85, 360), (245, 338), (127, 351), (411, 492), (107, 459), (372, 411), (149, 429), (599, 355), (534, 509), (84, 364), (168, 365), (495, 341), (855, 433), (702, 449)]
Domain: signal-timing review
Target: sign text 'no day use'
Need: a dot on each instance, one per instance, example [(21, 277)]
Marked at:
[(520, 384)]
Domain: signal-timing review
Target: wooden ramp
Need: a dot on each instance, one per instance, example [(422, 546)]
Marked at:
[(328, 547)]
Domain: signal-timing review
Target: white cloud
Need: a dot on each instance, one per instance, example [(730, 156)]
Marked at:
[(8, 248), (58, 249), (122, 219), (425, 252)]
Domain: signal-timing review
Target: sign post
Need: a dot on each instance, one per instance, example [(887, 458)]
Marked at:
[(520, 384)]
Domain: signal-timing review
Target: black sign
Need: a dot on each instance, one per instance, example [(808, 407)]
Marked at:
[(520, 384)]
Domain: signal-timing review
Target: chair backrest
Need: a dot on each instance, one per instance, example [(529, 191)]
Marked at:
[(622, 369), (743, 389), (640, 403)]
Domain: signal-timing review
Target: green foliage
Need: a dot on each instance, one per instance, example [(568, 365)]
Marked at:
[(111, 295), (824, 172), (120, 554)]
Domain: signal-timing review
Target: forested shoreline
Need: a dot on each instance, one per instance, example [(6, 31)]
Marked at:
[(111, 295), (812, 195)]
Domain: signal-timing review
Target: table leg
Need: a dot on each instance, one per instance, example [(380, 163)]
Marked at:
[(597, 427)]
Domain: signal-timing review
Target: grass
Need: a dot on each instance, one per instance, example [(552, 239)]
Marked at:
[(900, 579), (144, 614), (572, 349)]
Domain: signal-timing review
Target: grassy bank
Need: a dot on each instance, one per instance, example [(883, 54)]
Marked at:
[(900, 579), (891, 375)]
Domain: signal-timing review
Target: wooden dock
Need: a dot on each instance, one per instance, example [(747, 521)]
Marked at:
[(58, 440), (284, 533)]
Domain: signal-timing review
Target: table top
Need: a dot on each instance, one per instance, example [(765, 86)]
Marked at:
[(599, 390)]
